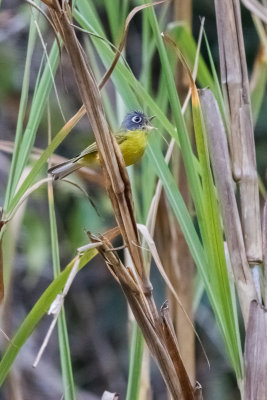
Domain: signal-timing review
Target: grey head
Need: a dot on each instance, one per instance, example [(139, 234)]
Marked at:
[(136, 120)]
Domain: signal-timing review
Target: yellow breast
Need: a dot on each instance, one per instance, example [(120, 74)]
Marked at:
[(132, 149), (134, 146)]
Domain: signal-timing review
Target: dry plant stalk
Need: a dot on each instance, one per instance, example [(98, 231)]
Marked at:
[(256, 354), (221, 166), (159, 334), (116, 177), (173, 349), (182, 259), (235, 83)]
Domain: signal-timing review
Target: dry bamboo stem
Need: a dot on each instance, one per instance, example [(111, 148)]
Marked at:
[(235, 83), (161, 344), (116, 177), (136, 301), (221, 165), (256, 354)]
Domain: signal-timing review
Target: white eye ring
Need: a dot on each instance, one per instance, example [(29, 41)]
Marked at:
[(136, 119)]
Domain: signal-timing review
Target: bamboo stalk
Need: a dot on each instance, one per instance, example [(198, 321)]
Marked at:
[(256, 354), (221, 165), (235, 83)]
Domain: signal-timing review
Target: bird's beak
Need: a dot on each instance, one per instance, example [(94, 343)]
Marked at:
[(151, 118)]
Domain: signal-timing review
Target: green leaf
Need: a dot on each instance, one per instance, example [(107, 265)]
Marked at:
[(22, 107), (64, 349), (135, 367), (36, 313), (60, 136), (36, 112), (212, 235)]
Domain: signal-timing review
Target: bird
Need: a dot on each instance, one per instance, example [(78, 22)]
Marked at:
[(132, 138)]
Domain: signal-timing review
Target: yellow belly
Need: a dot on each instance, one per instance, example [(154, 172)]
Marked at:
[(132, 149), (134, 146)]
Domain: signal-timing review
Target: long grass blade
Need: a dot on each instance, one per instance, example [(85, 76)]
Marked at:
[(36, 313), (135, 366), (215, 245), (67, 374), (60, 136), (22, 108), (36, 112)]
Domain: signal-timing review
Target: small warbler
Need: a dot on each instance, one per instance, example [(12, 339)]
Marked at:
[(132, 139)]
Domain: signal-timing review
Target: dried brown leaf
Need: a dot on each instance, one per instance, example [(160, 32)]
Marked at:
[(172, 346)]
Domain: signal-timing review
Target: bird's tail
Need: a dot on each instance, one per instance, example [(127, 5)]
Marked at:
[(61, 170)]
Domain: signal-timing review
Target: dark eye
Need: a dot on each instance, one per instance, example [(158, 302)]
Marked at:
[(136, 119)]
